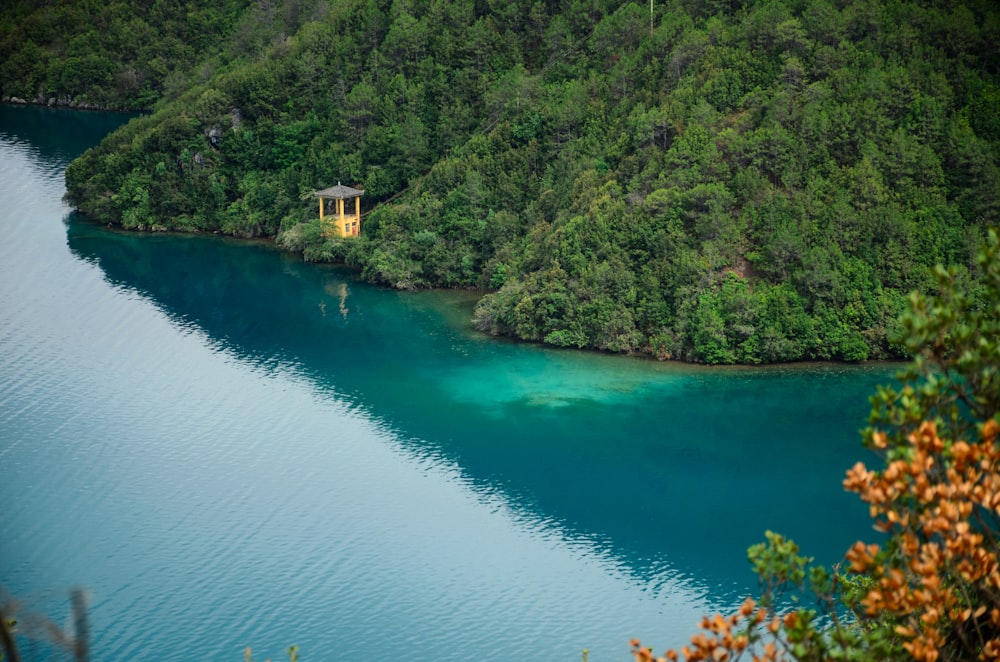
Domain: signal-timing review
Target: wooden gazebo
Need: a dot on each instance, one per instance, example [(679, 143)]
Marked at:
[(341, 224)]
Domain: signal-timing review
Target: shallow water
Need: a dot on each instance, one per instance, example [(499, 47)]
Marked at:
[(231, 448)]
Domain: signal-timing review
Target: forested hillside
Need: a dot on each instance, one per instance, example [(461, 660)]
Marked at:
[(711, 181), (118, 54)]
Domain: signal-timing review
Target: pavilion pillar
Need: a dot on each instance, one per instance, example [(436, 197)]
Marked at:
[(321, 205)]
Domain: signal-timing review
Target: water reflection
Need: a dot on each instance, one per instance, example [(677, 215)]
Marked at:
[(75, 131), (671, 469), (245, 469), (341, 292)]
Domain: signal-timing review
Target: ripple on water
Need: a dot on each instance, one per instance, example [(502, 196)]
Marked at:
[(183, 431)]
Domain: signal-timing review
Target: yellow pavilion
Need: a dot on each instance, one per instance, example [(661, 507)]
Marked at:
[(340, 224)]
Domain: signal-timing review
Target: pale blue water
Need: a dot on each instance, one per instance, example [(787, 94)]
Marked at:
[(231, 448)]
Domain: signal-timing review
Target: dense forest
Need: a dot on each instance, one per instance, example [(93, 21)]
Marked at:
[(697, 179), (115, 55)]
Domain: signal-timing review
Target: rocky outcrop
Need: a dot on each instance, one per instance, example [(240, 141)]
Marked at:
[(214, 136)]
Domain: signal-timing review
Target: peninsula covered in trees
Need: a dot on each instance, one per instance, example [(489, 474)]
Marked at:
[(704, 180)]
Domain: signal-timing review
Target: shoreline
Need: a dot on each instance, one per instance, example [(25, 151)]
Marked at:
[(354, 273)]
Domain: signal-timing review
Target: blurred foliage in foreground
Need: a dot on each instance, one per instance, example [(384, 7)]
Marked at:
[(931, 590)]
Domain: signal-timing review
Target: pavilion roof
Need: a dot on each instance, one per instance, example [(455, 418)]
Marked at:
[(340, 192)]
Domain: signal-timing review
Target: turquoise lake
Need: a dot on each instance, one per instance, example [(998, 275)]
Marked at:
[(228, 447)]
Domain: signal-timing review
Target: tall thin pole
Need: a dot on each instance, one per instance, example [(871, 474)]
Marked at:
[(650, 17), (81, 634)]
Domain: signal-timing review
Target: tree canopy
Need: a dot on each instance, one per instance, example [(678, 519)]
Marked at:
[(715, 182), (121, 55)]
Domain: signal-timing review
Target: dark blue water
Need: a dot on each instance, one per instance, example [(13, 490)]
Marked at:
[(231, 448)]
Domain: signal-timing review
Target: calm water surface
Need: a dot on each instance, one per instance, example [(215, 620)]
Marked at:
[(231, 448)]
